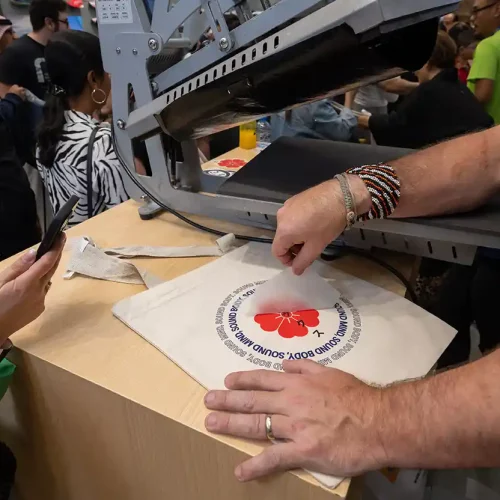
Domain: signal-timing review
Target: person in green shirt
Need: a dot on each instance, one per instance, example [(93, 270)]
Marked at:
[(484, 77)]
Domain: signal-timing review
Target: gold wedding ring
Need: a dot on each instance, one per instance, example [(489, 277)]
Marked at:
[(269, 429)]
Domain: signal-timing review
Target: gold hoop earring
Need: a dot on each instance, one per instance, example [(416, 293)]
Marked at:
[(99, 101)]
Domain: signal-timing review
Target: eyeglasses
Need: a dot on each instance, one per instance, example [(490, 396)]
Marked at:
[(65, 21), (475, 10)]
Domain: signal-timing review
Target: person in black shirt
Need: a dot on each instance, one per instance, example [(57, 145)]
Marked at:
[(23, 62), (440, 108), (18, 219)]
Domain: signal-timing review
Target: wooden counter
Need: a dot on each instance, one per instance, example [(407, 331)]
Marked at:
[(100, 414)]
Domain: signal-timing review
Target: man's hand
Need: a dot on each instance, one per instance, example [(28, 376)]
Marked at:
[(19, 91), (310, 221), (324, 418), (23, 288), (331, 422)]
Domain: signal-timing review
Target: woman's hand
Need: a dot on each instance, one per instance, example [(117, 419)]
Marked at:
[(23, 288), (364, 120)]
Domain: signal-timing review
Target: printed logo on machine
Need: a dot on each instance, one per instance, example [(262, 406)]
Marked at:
[(266, 340)]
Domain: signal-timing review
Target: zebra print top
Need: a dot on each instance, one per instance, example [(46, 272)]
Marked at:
[(68, 174)]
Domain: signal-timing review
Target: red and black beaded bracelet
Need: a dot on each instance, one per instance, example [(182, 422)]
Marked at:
[(384, 186)]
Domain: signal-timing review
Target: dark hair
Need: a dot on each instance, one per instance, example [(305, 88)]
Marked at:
[(445, 52), (41, 9), (462, 34), (69, 56)]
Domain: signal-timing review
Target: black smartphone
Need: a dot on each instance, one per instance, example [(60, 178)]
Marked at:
[(57, 226)]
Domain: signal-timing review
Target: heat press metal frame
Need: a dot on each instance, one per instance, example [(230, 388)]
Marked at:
[(127, 46)]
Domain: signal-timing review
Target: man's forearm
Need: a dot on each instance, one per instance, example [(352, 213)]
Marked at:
[(398, 86), (452, 177), (455, 176), (448, 421)]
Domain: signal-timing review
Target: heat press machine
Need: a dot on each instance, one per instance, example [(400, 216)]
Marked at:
[(167, 95)]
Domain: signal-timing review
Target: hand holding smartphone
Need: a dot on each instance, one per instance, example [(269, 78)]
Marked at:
[(57, 226)]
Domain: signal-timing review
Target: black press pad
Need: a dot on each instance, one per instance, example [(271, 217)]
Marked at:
[(291, 165)]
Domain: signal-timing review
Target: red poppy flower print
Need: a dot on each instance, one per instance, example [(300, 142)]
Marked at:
[(289, 325), (234, 163)]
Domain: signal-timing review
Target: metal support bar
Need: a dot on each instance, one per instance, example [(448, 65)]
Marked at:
[(140, 122), (430, 245), (280, 13), (243, 12), (218, 24), (128, 45), (167, 22), (226, 5), (179, 43)]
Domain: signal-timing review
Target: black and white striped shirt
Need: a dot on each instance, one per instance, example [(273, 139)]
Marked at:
[(68, 175)]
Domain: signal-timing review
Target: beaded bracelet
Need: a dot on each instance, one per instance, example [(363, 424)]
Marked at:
[(384, 186)]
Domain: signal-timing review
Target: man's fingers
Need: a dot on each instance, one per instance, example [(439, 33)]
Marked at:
[(290, 256), (283, 243), (20, 266), (276, 458), (307, 255), (257, 380), (303, 367), (281, 248), (248, 426), (244, 401), (296, 249), (46, 264), (287, 260)]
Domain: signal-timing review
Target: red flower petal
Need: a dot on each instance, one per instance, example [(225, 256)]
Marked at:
[(269, 322), (232, 163), (289, 325), (310, 318), (291, 328)]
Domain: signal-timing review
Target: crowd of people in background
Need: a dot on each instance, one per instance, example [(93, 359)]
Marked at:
[(439, 108), (44, 142), (456, 92)]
